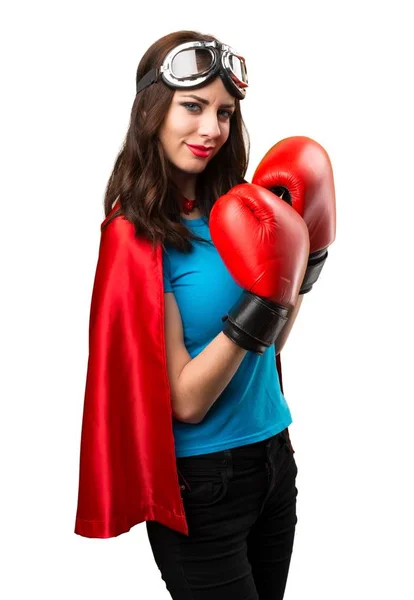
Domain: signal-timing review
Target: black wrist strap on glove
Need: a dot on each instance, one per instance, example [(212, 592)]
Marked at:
[(254, 323), (313, 270)]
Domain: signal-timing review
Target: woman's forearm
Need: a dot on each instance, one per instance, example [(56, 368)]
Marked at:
[(204, 378)]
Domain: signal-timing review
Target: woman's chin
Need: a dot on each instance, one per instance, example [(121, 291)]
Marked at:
[(191, 168)]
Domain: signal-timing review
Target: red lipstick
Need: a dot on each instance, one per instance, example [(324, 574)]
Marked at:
[(200, 151)]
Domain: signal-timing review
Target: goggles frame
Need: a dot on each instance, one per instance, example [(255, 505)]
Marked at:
[(220, 65)]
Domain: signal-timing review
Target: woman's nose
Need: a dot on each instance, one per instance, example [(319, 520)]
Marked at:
[(209, 126)]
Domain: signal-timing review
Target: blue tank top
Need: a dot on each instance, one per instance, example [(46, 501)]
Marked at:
[(252, 407)]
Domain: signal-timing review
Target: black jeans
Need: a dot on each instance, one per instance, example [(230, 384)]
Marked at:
[(241, 512)]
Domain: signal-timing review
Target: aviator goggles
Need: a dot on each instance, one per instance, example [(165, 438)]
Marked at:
[(192, 64)]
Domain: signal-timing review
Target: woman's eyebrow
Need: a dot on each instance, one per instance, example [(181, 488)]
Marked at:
[(206, 102)]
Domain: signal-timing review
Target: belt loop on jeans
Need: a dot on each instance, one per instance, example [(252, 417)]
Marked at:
[(229, 462)]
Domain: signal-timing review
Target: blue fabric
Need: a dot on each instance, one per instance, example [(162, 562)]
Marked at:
[(252, 407)]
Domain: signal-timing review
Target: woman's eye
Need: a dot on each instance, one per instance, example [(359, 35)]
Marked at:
[(191, 106), (195, 108)]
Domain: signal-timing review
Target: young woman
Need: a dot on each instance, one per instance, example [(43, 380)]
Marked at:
[(185, 423)]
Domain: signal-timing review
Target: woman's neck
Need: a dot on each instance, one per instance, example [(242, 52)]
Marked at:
[(194, 214), (186, 183)]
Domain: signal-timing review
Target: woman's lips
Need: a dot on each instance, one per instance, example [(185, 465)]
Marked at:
[(199, 152)]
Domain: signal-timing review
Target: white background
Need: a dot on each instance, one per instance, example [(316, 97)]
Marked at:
[(339, 72)]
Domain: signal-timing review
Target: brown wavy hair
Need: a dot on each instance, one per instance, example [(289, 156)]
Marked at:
[(141, 178)]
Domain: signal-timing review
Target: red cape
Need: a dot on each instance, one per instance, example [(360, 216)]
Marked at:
[(128, 470)]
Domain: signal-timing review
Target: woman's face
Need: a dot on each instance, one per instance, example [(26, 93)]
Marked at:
[(200, 118)]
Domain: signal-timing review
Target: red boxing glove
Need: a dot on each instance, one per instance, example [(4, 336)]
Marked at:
[(298, 170), (264, 244)]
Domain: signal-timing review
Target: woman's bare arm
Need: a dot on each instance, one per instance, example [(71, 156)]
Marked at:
[(196, 383)]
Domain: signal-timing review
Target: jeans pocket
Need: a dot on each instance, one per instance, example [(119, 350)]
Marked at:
[(202, 491)]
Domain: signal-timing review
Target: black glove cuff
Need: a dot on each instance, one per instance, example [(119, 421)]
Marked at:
[(254, 323), (315, 263)]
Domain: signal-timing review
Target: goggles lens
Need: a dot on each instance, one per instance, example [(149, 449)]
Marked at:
[(191, 63), (237, 68)]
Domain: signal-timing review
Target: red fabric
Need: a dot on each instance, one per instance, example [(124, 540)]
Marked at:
[(127, 471)]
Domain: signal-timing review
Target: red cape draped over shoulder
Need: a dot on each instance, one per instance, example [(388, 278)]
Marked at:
[(127, 467)]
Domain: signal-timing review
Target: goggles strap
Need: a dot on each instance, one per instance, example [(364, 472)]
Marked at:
[(148, 79)]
